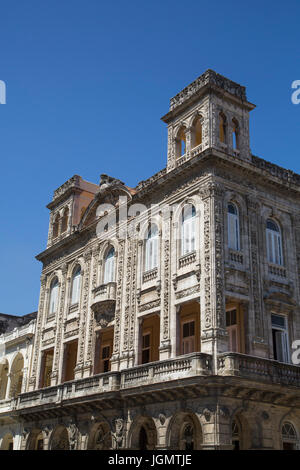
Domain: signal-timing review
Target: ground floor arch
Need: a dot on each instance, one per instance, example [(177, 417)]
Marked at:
[(184, 432), (60, 439), (143, 434), (35, 440), (7, 442), (100, 437)]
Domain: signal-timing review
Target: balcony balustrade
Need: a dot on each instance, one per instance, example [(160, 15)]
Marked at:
[(191, 365), (104, 302), (258, 369)]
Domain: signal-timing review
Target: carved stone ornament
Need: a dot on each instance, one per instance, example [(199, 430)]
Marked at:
[(207, 414), (73, 432), (118, 435), (162, 418), (104, 311)]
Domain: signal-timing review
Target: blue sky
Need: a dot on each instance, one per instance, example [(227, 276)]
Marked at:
[(87, 82)]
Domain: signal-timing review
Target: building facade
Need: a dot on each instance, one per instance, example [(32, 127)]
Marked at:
[(168, 312), (16, 343)]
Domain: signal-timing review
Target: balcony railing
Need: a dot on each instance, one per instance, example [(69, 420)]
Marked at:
[(150, 275), (194, 364), (236, 256), (257, 368), (189, 258), (19, 332), (277, 270), (105, 292), (197, 364)]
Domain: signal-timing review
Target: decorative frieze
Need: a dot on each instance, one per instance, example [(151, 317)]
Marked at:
[(186, 292)]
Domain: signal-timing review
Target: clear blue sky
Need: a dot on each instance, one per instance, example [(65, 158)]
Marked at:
[(87, 82)]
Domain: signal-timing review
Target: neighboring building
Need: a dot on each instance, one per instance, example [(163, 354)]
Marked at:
[(177, 335), (16, 342)]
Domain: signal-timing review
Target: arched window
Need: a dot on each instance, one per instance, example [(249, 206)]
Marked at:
[(235, 436), (274, 244), (76, 278), (188, 229), (55, 227), (188, 437), (64, 222), (222, 128), (143, 439), (289, 437), (197, 133), (109, 267), (233, 227), (180, 142), (53, 296), (3, 378), (235, 134), (151, 248), (16, 376)]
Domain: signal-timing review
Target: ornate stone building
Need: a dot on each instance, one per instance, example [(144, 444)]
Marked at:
[(168, 311), (16, 341)]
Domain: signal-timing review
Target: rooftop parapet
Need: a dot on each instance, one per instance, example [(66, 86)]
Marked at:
[(210, 77), (75, 183)]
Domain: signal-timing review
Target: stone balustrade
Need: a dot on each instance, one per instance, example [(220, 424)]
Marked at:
[(150, 275), (19, 332), (236, 256), (189, 258), (257, 368), (105, 292), (190, 365), (277, 270), (156, 372)]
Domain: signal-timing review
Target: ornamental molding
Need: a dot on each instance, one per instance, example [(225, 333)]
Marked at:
[(149, 305), (187, 292)]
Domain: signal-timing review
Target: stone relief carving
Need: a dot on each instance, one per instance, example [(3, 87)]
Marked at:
[(118, 434)]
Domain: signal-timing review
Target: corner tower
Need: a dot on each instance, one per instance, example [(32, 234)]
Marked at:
[(211, 112)]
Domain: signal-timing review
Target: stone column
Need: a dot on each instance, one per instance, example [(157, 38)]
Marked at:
[(125, 318), (59, 325), (82, 369), (165, 340), (8, 385), (259, 344), (188, 142), (119, 292), (133, 305), (216, 428), (171, 149), (90, 324), (36, 359), (214, 338)]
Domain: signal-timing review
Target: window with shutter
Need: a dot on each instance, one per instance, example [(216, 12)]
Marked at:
[(274, 243), (151, 249), (188, 337), (280, 338), (233, 330), (188, 229), (76, 286), (233, 227), (109, 266), (53, 296)]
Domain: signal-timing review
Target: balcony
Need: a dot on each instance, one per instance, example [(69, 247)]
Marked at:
[(181, 372), (236, 256), (91, 388), (18, 334), (258, 369), (173, 369), (104, 301), (150, 275), (187, 259), (277, 270)]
